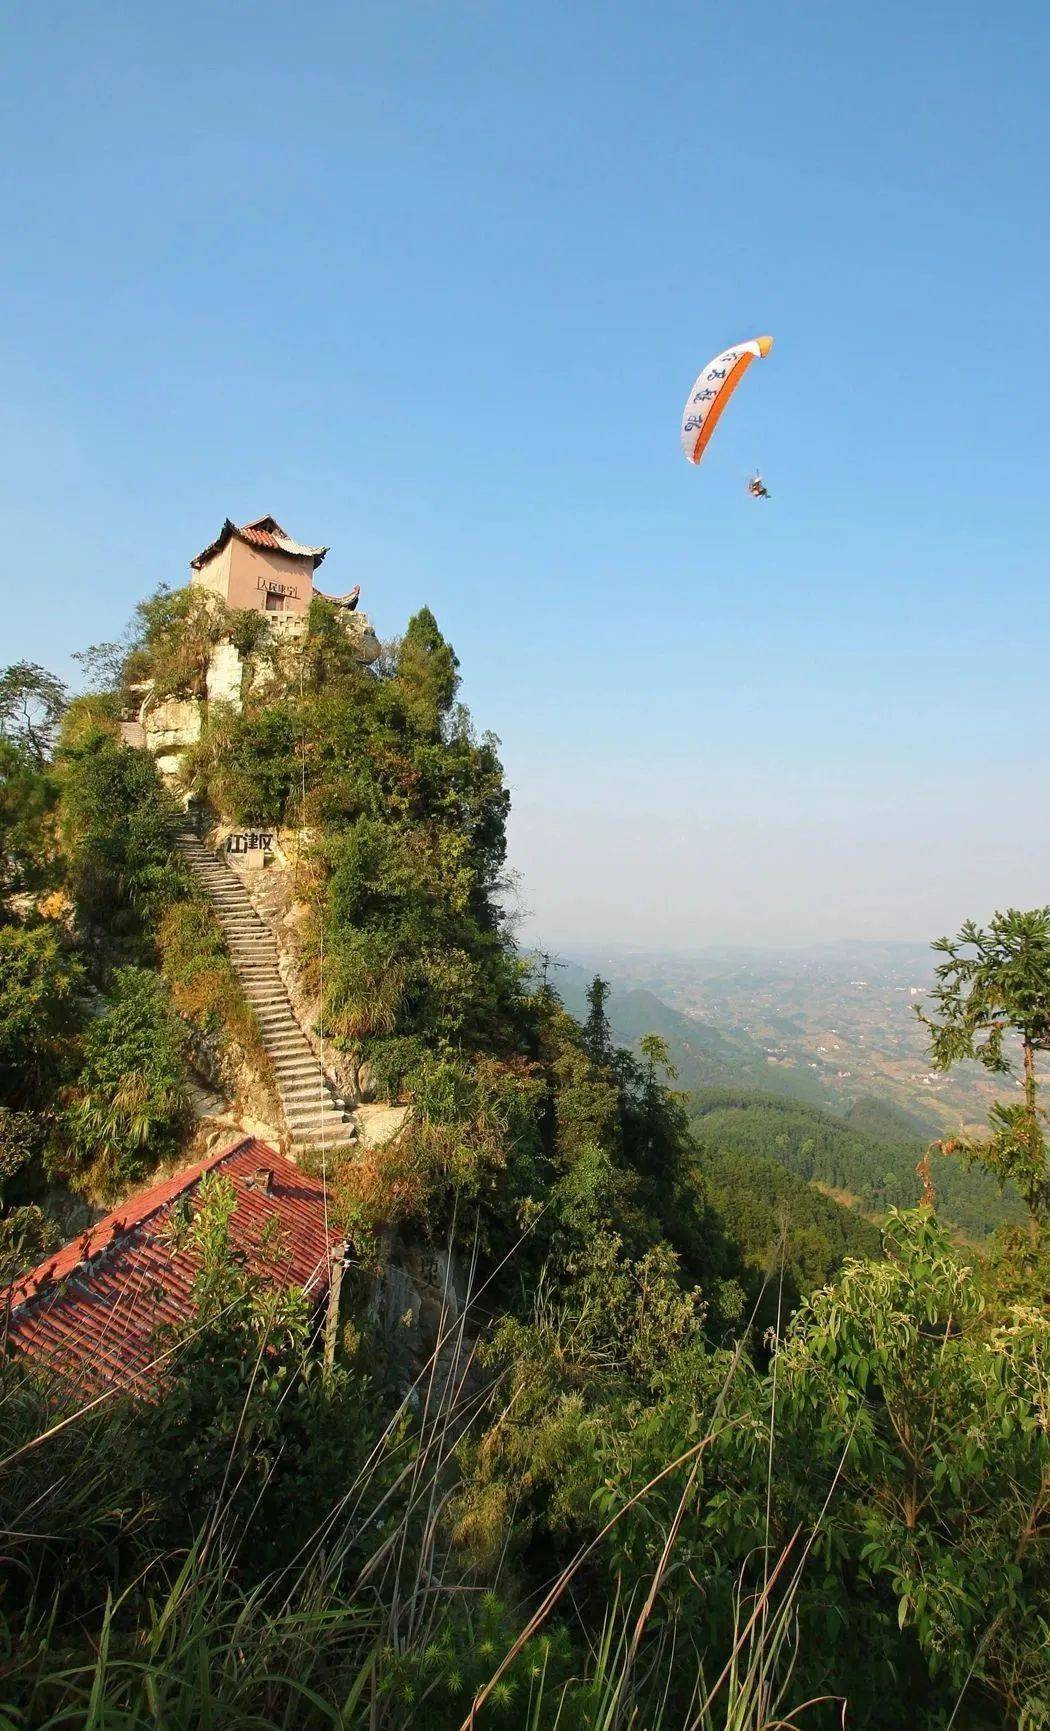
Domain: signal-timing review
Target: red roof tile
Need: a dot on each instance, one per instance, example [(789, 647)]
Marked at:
[(91, 1311), (263, 532)]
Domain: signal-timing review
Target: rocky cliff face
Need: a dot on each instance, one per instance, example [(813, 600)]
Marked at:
[(168, 726)]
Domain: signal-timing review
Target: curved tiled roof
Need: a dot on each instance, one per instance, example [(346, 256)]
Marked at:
[(263, 532), (91, 1311)]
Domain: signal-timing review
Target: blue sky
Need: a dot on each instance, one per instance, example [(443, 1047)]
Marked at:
[(430, 283)]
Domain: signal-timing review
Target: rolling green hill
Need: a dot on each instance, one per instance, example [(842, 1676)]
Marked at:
[(855, 1158)]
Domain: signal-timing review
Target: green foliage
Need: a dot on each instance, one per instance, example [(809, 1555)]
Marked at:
[(172, 638), (27, 847), (427, 674), (26, 1231), (790, 1237), (118, 821), (250, 765), (993, 988), (597, 1034), (205, 988), (39, 1011), (991, 985), (128, 1107), (32, 703), (758, 1459), (877, 1173), (936, 1413)]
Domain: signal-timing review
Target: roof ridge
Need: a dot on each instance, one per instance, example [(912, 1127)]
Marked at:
[(257, 523), (254, 535)]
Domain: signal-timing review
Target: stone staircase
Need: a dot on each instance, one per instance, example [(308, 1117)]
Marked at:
[(312, 1112)]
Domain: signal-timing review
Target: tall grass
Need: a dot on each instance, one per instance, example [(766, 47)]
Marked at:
[(371, 1622)]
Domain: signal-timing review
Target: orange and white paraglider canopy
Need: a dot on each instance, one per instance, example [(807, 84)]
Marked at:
[(712, 391)]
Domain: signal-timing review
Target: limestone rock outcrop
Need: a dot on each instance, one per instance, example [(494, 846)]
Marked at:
[(168, 726)]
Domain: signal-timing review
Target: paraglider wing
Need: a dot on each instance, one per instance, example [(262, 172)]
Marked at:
[(712, 391)]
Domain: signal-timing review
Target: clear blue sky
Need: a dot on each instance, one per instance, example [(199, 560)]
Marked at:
[(430, 281)]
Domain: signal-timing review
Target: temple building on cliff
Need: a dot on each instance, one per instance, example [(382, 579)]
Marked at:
[(255, 568), (258, 567)]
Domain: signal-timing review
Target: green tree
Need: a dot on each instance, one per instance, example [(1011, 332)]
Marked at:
[(427, 673), (39, 1012), (128, 1107), (118, 821), (27, 843), (172, 638), (993, 993), (32, 703), (931, 1411), (596, 1031)]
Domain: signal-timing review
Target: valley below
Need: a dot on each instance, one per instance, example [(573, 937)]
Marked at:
[(829, 1024)]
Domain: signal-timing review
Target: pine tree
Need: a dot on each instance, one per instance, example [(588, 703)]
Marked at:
[(597, 1032)]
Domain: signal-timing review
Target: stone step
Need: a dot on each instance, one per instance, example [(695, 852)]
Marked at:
[(303, 1107), (333, 1144), (313, 1113), (313, 1129)]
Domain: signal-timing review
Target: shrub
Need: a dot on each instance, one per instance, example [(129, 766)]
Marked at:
[(118, 820), (128, 1108), (205, 988), (39, 1010)]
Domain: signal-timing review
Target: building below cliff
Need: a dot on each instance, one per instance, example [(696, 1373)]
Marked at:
[(96, 1312)]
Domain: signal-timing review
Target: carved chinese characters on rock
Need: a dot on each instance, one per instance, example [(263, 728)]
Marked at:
[(250, 841)]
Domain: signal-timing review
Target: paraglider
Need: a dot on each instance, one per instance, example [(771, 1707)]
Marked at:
[(710, 394)]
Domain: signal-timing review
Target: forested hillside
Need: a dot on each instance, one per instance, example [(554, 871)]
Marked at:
[(694, 1448), (740, 1106), (871, 1167)]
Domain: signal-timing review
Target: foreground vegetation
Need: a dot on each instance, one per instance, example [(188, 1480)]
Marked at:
[(703, 1449)]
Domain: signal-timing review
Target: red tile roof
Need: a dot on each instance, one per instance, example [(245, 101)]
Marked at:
[(263, 532), (91, 1311)]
